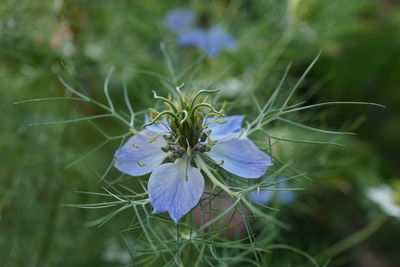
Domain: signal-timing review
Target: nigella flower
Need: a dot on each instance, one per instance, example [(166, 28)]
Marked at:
[(217, 39), (175, 149), (266, 196), (193, 37), (211, 41), (180, 19)]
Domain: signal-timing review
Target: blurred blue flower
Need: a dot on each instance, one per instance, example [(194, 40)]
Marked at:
[(193, 37), (180, 19), (176, 187), (266, 196), (217, 39), (261, 196), (211, 41)]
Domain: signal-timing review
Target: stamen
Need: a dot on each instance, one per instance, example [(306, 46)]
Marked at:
[(241, 132), (188, 149), (203, 137), (186, 171), (166, 149), (154, 138)]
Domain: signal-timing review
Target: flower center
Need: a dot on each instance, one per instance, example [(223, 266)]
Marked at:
[(185, 119), (181, 144)]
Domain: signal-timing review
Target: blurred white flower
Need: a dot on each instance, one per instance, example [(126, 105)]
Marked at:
[(115, 253), (57, 5), (384, 196), (231, 87), (94, 50)]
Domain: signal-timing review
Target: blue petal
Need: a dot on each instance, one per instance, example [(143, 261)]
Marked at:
[(192, 37), (179, 19), (286, 197), (211, 48), (157, 127), (175, 188), (217, 39), (218, 35), (138, 156), (261, 196), (240, 156), (265, 196), (233, 125)]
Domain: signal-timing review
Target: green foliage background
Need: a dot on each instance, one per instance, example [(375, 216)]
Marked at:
[(41, 40)]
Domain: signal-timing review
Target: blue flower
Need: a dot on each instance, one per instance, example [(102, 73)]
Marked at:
[(265, 196), (192, 37), (217, 39), (180, 19), (176, 186), (210, 41)]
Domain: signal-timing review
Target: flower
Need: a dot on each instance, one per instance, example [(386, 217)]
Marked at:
[(193, 37), (265, 196), (217, 40), (176, 182), (385, 197), (180, 19), (231, 87), (114, 253), (211, 41)]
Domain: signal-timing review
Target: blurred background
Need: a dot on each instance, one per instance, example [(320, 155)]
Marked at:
[(81, 40)]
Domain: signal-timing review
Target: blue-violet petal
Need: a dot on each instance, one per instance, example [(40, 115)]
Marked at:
[(233, 125), (175, 188), (180, 19), (238, 155), (138, 156)]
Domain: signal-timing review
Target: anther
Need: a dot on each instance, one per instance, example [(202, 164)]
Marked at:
[(203, 137), (166, 149)]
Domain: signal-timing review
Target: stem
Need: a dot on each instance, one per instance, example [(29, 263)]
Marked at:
[(178, 253), (354, 239)]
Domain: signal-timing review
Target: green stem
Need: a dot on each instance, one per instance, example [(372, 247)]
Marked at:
[(355, 238)]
